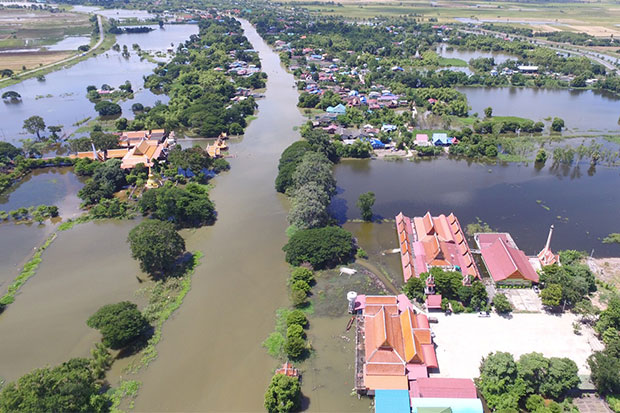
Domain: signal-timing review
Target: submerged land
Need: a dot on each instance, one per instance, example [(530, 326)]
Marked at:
[(310, 206)]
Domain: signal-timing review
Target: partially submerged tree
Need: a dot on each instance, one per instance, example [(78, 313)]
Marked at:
[(35, 125), (365, 203), (283, 394), (120, 324), (157, 245)]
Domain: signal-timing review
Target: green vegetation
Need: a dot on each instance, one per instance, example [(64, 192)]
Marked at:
[(105, 108), (320, 247), (365, 203), (477, 227), (28, 271), (501, 304), (566, 285), (70, 387), (283, 394), (157, 246), (509, 384), (185, 207), (107, 178), (120, 324), (39, 213), (613, 238)]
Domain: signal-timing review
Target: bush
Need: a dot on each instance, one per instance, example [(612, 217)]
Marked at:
[(283, 394), (120, 324), (321, 247), (295, 347), (297, 317), (301, 285), (414, 288), (295, 331), (501, 304), (302, 274)]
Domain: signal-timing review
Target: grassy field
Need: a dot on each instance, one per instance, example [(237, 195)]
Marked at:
[(32, 60), (596, 18), (30, 28)]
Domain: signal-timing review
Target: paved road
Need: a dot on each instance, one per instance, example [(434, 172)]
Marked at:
[(99, 42), (594, 56)]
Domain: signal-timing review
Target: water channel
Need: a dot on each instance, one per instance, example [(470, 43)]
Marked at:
[(61, 98)]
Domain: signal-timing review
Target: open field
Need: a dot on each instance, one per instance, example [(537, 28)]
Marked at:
[(598, 19), (31, 60), (462, 340), (29, 28)]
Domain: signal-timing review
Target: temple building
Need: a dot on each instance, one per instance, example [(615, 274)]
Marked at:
[(505, 262), (428, 241)]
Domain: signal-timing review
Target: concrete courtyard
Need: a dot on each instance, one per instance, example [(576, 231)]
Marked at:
[(462, 340)]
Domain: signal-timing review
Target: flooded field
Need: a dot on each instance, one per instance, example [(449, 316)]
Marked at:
[(582, 110), (516, 198), (444, 50), (61, 98), (50, 186), (83, 269)]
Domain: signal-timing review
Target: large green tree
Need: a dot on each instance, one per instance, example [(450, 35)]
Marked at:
[(309, 207), (317, 168), (70, 387), (120, 324), (321, 247), (157, 245), (35, 125), (186, 207), (283, 394)]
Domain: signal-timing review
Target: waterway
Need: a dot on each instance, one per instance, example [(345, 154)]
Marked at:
[(517, 198), (83, 269), (583, 111), (50, 186), (61, 98)]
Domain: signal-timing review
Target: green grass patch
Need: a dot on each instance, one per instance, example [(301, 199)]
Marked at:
[(165, 297), (28, 271), (452, 62), (126, 388)]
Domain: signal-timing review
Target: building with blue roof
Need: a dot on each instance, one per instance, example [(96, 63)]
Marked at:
[(339, 109), (441, 139), (392, 401)]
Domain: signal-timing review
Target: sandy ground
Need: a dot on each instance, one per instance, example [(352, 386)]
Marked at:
[(15, 61), (598, 31), (462, 340), (606, 269)]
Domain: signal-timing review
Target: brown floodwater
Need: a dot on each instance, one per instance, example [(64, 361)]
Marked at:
[(210, 357), (84, 268)]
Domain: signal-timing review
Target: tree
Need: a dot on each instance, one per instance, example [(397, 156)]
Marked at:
[(297, 317), (309, 207), (106, 108), (605, 368), (479, 296), (70, 387), (551, 295), (302, 274), (321, 247), (283, 394), (295, 347), (315, 167), (185, 207), (290, 158), (120, 324), (108, 178), (557, 124), (501, 304), (11, 95), (498, 381), (8, 151), (365, 203), (533, 368), (541, 156), (156, 245), (34, 125), (560, 378), (488, 112), (610, 317), (414, 288)]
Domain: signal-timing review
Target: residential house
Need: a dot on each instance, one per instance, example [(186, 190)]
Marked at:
[(339, 109), (441, 139), (421, 139)]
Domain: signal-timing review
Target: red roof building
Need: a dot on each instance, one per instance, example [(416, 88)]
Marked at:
[(433, 302), (506, 263), (429, 241), (397, 342), (443, 388)]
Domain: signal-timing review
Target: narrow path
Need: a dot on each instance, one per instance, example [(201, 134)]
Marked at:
[(210, 357), (69, 59)]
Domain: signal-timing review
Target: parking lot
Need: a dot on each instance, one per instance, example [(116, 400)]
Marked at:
[(462, 340)]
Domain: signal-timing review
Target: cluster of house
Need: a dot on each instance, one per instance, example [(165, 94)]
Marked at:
[(241, 68), (139, 147), (395, 354), (439, 241)]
